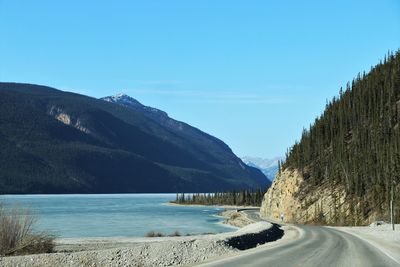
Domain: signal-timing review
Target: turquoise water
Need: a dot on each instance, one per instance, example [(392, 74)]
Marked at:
[(117, 215)]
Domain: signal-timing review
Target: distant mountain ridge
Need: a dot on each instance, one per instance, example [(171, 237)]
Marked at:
[(60, 142), (268, 166)]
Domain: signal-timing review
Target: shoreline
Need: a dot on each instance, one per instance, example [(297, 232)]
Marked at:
[(152, 251), (232, 217), (219, 206)]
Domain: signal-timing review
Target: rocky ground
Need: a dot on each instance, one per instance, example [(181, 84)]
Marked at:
[(235, 218), (164, 253), (157, 251)]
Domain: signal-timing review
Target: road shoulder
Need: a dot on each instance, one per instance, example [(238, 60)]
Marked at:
[(382, 238)]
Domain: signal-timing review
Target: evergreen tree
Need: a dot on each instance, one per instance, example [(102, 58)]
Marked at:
[(356, 141)]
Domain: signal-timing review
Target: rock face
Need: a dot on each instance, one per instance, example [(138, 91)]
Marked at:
[(280, 198), (67, 120), (291, 195)]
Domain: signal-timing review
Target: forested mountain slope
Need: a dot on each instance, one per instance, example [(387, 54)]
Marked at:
[(58, 142), (345, 166)]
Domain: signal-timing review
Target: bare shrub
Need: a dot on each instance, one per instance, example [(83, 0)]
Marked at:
[(234, 215), (17, 236), (154, 234), (176, 233)]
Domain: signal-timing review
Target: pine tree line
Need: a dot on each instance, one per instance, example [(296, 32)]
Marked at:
[(356, 141), (240, 198)]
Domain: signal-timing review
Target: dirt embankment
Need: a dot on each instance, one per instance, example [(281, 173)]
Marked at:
[(235, 218)]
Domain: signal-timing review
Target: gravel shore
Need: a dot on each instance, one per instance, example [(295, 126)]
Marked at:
[(157, 251)]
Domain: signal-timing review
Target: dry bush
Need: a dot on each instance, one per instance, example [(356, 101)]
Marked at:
[(234, 215), (154, 234), (176, 233), (17, 236)]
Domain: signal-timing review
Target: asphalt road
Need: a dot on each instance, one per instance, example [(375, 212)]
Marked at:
[(317, 246)]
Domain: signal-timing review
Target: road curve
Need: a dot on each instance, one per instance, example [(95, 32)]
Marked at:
[(316, 246)]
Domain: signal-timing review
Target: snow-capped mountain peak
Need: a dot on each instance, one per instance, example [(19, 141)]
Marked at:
[(126, 100), (268, 166), (262, 162), (122, 98)]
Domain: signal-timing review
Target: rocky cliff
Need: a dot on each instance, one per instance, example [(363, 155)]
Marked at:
[(291, 195), (280, 198), (327, 203)]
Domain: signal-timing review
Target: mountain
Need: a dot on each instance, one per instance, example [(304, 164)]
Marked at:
[(59, 142), (268, 166), (125, 100), (346, 167), (181, 129)]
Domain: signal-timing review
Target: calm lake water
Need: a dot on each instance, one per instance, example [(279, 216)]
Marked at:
[(117, 215)]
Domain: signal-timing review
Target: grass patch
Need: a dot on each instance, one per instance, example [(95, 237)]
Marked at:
[(17, 236)]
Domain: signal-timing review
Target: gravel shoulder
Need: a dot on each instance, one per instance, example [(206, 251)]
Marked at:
[(155, 251), (380, 236)]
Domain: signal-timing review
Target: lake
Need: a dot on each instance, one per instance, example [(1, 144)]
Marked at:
[(110, 215)]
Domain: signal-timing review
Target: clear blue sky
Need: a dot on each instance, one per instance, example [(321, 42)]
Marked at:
[(252, 73)]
